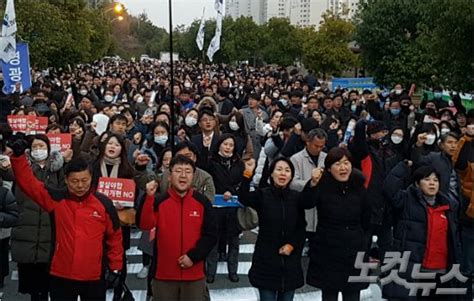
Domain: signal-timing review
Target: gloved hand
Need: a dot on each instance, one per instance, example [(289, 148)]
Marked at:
[(18, 147), (113, 279)]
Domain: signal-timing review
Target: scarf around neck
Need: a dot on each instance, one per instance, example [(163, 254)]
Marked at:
[(115, 167)]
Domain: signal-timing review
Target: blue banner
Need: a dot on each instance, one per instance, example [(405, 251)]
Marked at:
[(219, 202), (353, 83), (17, 70)]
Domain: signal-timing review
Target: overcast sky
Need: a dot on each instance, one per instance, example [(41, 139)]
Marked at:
[(184, 11)]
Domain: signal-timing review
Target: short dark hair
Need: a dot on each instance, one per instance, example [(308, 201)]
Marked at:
[(182, 160), (205, 111), (288, 161), (424, 172), (187, 144), (77, 165), (317, 133), (41, 137), (223, 92), (254, 96), (116, 117), (297, 93), (444, 137), (336, 154), (288, 122)]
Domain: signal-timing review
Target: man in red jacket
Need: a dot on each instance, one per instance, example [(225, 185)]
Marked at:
[(185, 234), (82, 221)]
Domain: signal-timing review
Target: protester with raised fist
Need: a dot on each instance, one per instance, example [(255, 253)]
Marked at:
[(186, 227), (344, 212), (82, 221), (276, 264)]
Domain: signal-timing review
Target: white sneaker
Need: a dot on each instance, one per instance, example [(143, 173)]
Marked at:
[(143, 273)]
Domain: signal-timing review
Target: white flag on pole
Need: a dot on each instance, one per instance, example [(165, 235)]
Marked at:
[(215, 44), (219, 6), (8, 38), (201, 33)]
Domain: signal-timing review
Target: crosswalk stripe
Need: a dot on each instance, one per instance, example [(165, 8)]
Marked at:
[(251, 294), (243, 249), (221, 294), (136, 235), (133, 251), (246, 249), (243, 268)]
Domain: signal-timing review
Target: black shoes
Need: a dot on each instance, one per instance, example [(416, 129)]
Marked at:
[(210, 279), (234, 277)]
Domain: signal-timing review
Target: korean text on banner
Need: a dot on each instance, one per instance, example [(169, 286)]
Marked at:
[(17, 70), (120, 191), (19, 123), (60, 142), (29, 125)]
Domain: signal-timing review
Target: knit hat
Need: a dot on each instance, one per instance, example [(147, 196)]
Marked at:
[(375, 126)]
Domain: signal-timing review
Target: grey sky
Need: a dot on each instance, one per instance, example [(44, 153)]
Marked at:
[(184, 11)]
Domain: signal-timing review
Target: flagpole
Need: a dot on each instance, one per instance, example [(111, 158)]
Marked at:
[(172, 106)]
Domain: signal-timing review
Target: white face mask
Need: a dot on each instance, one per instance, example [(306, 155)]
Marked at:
[(187, 85), (396, 139), (108, 98), (161, 140), (39, 154), (139, 99), (445, 131), (190, 121), (275, 95), (234, 126), (83, 92), (430, 139), (398, 91)]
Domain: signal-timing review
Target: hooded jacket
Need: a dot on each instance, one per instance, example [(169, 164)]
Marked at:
[(31, 240)]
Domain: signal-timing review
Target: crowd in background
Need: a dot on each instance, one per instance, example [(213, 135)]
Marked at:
[(329, 173)]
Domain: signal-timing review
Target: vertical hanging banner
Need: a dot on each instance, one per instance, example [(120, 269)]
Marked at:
[(8, 36), (17, 70), (201, 33), (215, 44)]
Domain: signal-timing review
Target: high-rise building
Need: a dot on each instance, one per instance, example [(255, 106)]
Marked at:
[(299, 12), (347, 8), (246, 8), (276, 9)]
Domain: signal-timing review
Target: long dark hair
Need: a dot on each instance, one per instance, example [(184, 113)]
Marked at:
[(125, 167)]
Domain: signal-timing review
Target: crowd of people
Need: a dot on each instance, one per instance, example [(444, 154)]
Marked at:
[(328, 172)]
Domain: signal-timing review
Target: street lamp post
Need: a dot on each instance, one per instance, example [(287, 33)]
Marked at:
[(172, 107), (117, 8)]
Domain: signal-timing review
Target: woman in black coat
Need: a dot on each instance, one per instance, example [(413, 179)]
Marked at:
[(343, 218), (112, 162), (276, 264), (426, 226), (226, 168)]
